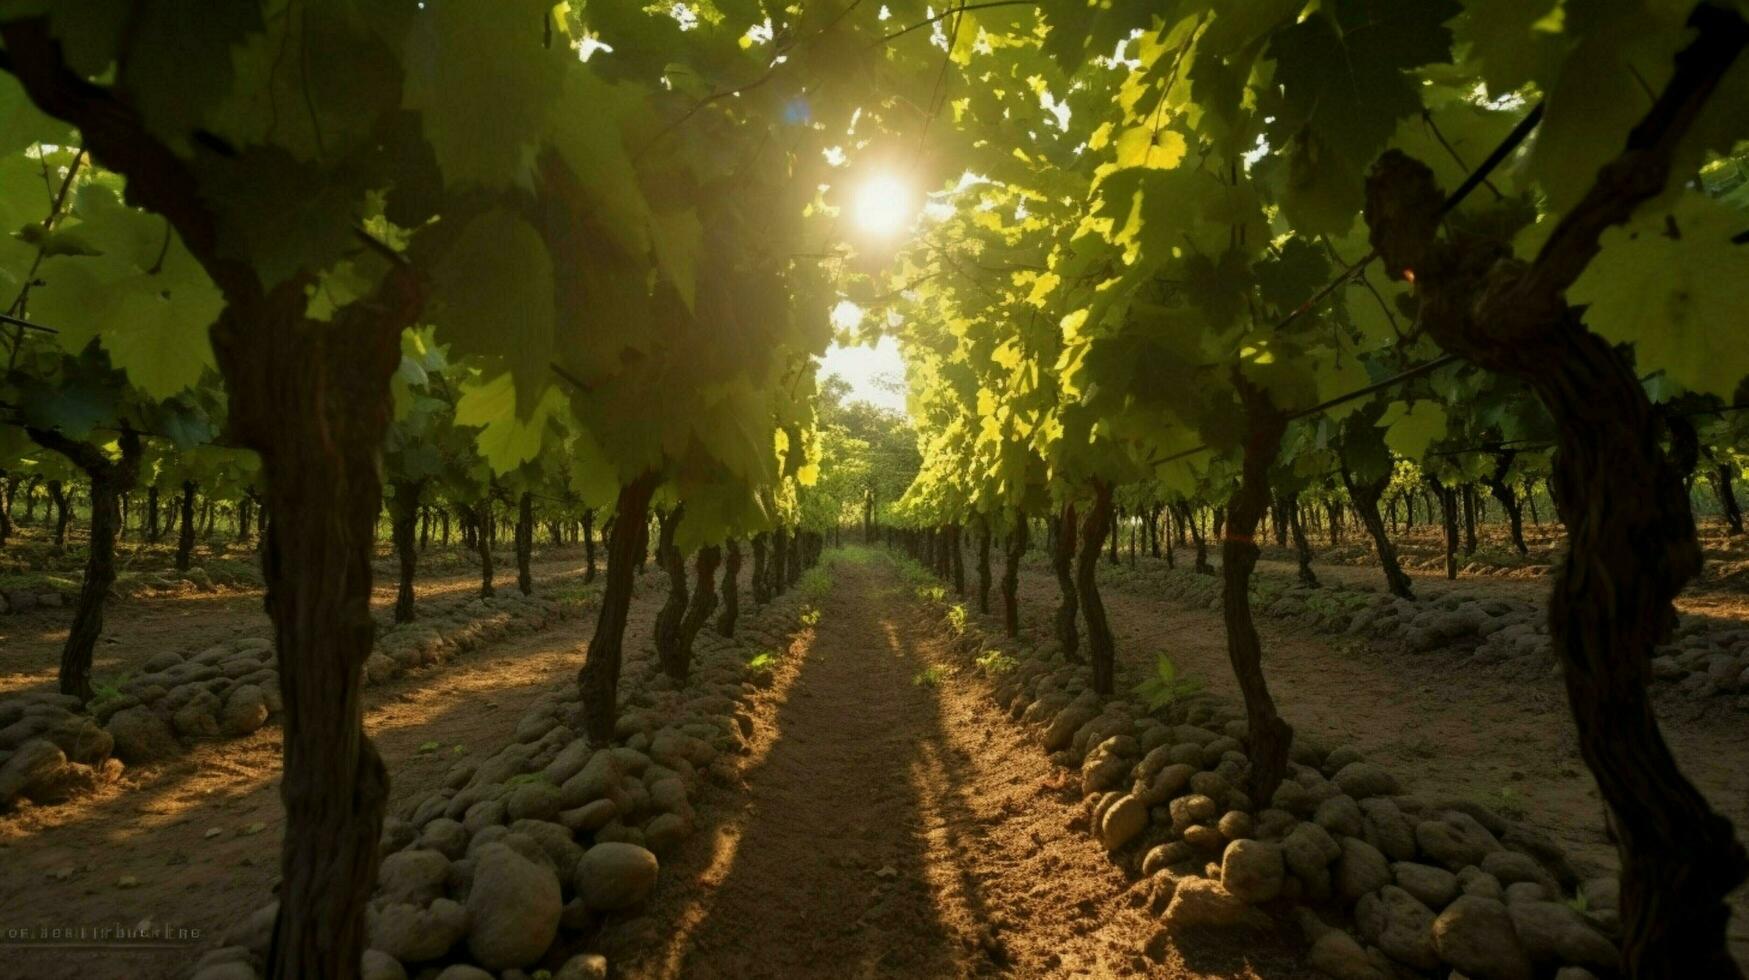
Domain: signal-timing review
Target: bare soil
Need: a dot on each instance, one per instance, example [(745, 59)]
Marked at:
[(894, 823)]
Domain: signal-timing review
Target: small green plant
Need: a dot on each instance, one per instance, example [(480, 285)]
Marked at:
[(1579, 903), (814, 584), (1167, 687), (929, 677), (1509, 803), (956, 618), (525, 778), (810, 615), (432, 746), (932, 593), (762, 661), (995, 662)]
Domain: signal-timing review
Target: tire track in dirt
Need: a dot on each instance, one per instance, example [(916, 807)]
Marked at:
[(895, 823)]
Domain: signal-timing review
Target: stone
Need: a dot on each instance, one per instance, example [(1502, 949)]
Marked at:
[(245, 711), (1163, 855), (513, 908), (1340, 815), (1474, 881), (590, 816), (1511, 867), (1387, 829), (1062, 728), (1455, 839), (614, 876), (1122, 821), (1235, 824), (1169, 782), (1553, 933), (666, 831), (1398, 924), (1308, 850), (1204, 837), (596, 780), (1336, 954), (1431, 886), (378, 965), (533, 801), (1107, 764), (33, 768), (196, 717), (446, 835), (415, 876), (1475, 935), (413, 934), (583, 966), (463, 971), (1202, 902), (1363, 779), (1192, 809), (1360, 869), (1253, 870), (142, 735)]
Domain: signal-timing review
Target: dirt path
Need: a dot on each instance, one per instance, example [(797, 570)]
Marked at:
[(895, 823), (1469, 734), (135, 629), (72, 864)]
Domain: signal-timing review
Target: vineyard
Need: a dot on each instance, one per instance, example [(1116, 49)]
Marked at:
[(1279, 517)]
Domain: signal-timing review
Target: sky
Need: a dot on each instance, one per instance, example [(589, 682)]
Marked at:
[(864, 366)]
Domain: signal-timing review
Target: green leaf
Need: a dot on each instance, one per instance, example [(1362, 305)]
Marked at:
[(145, 298), (678, 236), (482, 79), (1410, 429), (1673, 285), (1344, 74), (492, 296)]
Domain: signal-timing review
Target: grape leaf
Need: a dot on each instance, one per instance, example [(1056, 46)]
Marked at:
[(1673, 285), (492, 296), (1410, 429)]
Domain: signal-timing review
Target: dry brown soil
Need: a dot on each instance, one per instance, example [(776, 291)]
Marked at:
[(895, 824)]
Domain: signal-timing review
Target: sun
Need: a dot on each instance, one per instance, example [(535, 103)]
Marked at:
[(882, 206)]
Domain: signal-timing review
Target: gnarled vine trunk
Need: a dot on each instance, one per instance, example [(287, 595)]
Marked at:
[(1631, 535), (1100, 648), (1011, 577), (1063, 552), (704, 602), (758, 577), (956, 548), (598, 680), (403, 511), (731, 588), (1509, 501), (1268, 735), (1723, 479), (1302, 547), (983, 564), (185, 538), (525, 543), (668, 619), (1365, 494), (779, 558), (588, 545), (483, 525), (109, 478), (1448, 515)]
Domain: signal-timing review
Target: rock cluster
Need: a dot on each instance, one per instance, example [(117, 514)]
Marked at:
[(226, 690), (1433, 886), (1704, 658), (507, 870)]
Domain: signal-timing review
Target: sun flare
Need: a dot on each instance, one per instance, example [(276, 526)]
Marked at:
[(883, 206)]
